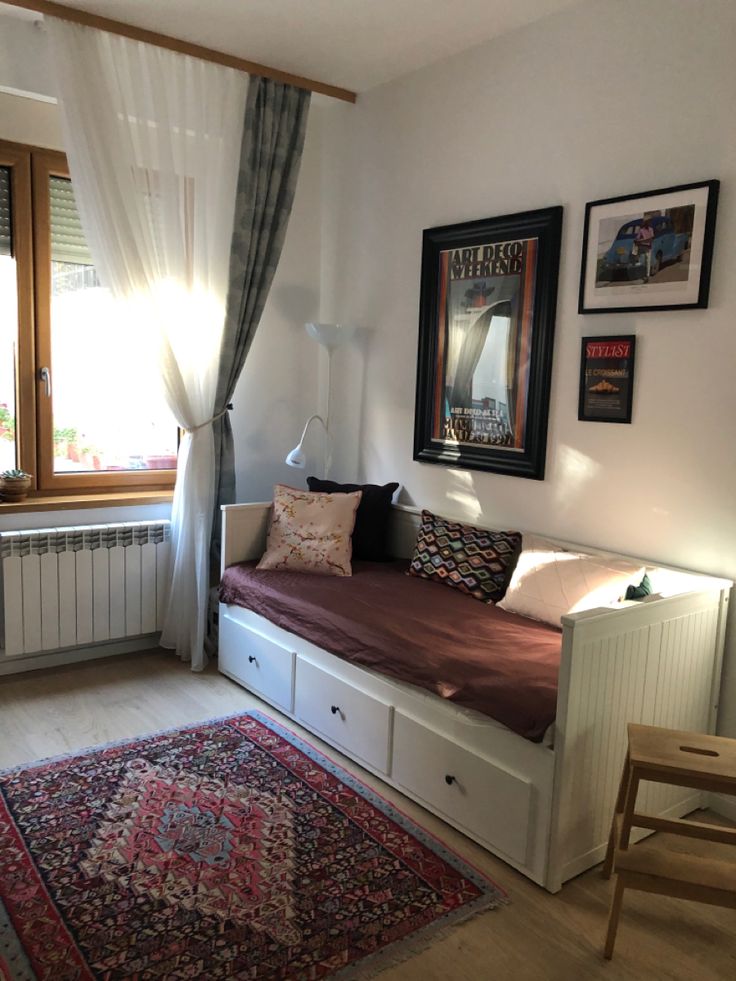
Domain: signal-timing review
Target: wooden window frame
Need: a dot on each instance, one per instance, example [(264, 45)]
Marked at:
[(18, 160), (31, 169)]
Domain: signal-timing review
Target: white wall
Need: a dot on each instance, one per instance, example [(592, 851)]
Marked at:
[(26, 120), (601, 100), (25, 63)]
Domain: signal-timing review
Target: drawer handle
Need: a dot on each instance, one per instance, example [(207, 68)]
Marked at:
[(335, 709), (449, 780), (251, 659)]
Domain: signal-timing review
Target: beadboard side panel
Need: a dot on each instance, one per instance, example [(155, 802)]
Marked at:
[(656, 669)]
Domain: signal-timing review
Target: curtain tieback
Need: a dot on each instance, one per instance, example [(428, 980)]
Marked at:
[(209, 422)]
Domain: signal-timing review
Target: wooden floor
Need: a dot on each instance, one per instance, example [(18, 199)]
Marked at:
[(537, 938)]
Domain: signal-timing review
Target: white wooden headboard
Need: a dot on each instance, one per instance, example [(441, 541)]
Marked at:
[(666, 580), (244, 528)]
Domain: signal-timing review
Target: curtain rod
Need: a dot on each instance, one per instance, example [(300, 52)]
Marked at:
[(77, 16)]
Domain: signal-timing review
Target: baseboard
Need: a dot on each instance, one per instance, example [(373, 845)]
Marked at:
[(71, 655), (723, 805)]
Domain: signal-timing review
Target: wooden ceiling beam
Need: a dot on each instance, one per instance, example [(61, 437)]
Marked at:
[(76, 16)]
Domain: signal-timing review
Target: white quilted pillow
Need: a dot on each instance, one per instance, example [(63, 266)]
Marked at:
[(549, 582)]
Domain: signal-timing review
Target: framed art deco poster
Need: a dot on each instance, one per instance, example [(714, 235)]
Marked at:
[(486, 328)]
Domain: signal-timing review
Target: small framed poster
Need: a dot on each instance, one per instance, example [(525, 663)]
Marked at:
[(607, 378), (486, 327), (649, 251)]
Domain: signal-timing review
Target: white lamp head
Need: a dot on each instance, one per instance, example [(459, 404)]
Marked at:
[(296, 458)]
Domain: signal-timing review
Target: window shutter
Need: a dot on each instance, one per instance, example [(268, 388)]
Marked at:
[(68, 243), (6, 227)]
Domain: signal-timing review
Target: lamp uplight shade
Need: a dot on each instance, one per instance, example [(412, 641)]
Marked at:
[(329, 335)]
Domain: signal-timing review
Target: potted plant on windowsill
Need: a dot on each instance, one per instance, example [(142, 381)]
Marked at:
[(14, 485)]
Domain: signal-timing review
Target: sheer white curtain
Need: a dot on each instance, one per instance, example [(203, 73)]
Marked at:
[(153, 141)]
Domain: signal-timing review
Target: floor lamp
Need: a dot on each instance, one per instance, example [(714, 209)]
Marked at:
[(329, 336)]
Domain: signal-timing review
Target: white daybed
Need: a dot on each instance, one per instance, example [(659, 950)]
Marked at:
[(544, 808)]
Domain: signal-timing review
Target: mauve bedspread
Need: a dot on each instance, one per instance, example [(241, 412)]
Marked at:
[(500, 664)]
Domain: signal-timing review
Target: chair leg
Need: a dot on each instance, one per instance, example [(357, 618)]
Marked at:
[(629, 808), (610, 851), (618, 809), (613, 918), (623, 784)]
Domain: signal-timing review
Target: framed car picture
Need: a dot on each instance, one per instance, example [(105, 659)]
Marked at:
[(607, 378), (486, 327), (649, 251)]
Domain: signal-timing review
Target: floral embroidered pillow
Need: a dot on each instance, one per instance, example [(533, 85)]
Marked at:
[(311, 532)]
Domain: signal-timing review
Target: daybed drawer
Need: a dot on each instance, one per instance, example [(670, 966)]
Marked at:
[(257, 662), (473, 792), (344, 715)]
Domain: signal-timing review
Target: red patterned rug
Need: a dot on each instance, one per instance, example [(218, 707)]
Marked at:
[(229, 849)]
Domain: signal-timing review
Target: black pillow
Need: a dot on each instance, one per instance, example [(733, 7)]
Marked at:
[(371, 521)]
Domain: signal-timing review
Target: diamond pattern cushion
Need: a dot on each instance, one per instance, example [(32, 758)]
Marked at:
[(311, 532), (474, 560), (549, 581)]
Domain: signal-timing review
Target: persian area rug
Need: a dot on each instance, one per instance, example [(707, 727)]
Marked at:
[(228, 849)]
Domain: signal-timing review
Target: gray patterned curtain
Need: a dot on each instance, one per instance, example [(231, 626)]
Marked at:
[(271, 152)]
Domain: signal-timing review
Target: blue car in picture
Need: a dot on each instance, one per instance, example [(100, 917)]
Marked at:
[(625, 259)]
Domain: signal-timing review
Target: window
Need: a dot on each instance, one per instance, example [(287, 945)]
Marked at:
[(79, 404)]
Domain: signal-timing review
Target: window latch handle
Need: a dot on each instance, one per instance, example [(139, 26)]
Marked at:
[(45, 376)]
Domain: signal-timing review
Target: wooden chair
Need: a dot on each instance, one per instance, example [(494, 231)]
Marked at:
[(684, 759)]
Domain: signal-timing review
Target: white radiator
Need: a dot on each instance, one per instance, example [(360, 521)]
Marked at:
[(69, 587)]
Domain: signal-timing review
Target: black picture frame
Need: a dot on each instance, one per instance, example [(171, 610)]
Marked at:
[(472, 273), (668, 267), (607, 378)]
